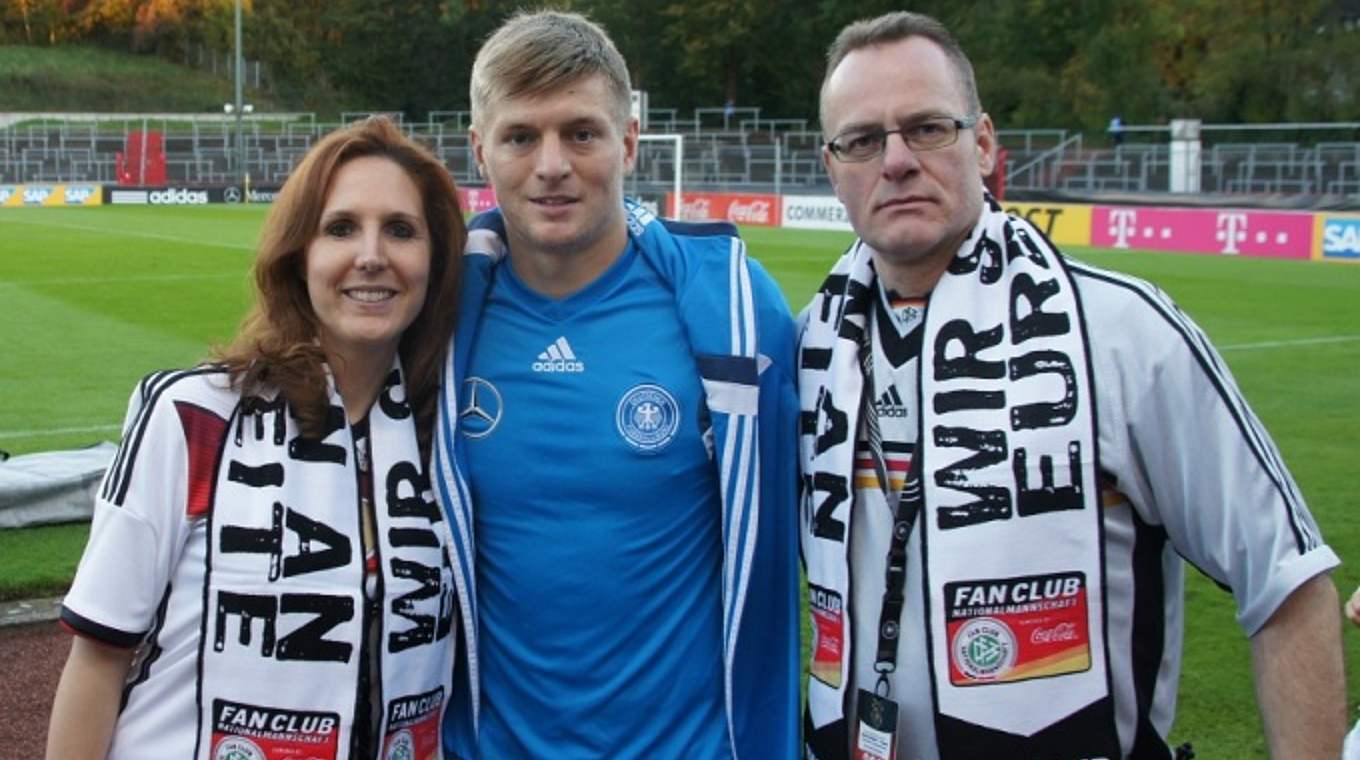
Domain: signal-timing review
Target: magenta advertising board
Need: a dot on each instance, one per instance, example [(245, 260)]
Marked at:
[(1231, 232), (476, 199)]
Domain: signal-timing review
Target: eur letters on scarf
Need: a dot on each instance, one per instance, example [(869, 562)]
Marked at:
[(284, 626), (1011, 531)]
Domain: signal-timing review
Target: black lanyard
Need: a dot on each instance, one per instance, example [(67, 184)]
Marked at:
[(905, 505)]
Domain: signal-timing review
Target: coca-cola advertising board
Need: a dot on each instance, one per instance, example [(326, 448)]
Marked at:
[(738, 208)]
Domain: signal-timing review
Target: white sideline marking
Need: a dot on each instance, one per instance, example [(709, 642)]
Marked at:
[(57, 431), (1288, 343), (133, 233), (243, 276)]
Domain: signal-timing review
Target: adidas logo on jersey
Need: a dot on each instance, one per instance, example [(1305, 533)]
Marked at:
[(890, 404), (559, 358)]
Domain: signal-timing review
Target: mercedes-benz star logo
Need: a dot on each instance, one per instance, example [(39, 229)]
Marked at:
[(232, 195), (480, 410)]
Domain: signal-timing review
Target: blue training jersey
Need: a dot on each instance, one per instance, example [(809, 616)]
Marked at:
[(597, 525)]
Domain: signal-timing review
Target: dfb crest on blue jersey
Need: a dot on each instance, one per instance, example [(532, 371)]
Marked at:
[(648, 417)]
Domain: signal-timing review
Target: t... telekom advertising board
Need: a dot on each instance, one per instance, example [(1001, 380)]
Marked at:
[(1231, 232), (756, 209), (475, 200)]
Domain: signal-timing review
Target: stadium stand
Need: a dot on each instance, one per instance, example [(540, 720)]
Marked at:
[(733, 149)]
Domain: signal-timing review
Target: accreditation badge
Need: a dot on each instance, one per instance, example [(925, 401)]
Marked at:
[(875, 728), (253, 732), (413, 727)]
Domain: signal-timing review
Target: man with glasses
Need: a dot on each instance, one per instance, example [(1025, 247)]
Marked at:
[(1004, 451)]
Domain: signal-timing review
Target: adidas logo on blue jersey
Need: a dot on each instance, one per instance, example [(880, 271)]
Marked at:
[(559, 358), (890, 404)]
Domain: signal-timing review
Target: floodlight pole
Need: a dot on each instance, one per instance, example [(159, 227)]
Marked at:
[(240, 133)]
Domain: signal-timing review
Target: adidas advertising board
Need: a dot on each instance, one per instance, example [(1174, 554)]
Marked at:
[(168, 196), (51, 195), (172, 196), (127, 197)]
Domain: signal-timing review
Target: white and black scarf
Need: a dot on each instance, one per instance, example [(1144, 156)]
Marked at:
[(1011, 531), (284, 621)]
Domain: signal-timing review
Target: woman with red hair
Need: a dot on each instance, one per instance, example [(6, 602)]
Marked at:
[(267, 574)]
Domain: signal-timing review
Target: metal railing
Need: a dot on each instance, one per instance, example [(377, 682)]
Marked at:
[(760, 155)]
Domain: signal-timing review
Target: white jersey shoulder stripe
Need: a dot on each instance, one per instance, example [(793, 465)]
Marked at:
[(140, 394), (120, 472), (1200, 348)]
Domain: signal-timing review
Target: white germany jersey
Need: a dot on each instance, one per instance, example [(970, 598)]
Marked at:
[(1189, 473), (140, 581), (226, 547)]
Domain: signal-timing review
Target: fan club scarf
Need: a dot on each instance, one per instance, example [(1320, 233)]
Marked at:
[(284, 628), (1011, 532)]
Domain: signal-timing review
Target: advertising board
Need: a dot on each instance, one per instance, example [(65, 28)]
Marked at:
[(757, 209), (475, 200), (814, 212), (1231, 232), (1338, 237), (43, 194), (1063, 223)]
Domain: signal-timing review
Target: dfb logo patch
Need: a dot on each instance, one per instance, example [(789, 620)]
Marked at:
[(648, 417)]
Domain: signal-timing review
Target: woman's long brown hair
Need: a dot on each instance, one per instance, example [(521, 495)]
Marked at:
[(276, 347)]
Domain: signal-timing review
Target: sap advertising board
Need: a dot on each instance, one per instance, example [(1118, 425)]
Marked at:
[(1341, 237), (50, 195)]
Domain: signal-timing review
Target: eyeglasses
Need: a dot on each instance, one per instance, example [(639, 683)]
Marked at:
[(858, 145)]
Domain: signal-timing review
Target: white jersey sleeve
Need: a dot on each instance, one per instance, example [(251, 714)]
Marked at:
[(1189, 453), (140, 523)]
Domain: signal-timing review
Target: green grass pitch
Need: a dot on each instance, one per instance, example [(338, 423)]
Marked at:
[(92, 299)]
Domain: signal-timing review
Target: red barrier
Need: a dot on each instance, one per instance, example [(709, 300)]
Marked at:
[(996, 181), (142, 161)]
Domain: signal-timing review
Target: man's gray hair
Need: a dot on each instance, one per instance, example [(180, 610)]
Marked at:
[(540, 52), (892, 27)]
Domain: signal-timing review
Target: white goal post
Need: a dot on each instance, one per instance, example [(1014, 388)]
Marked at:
[(677, 182)]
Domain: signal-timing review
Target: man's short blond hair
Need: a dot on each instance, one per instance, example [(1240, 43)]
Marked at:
[(893, 27), (543, 51)]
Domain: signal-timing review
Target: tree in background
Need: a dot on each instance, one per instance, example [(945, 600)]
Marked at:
[(32, 22), (1267, 60), (1040, 63)]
